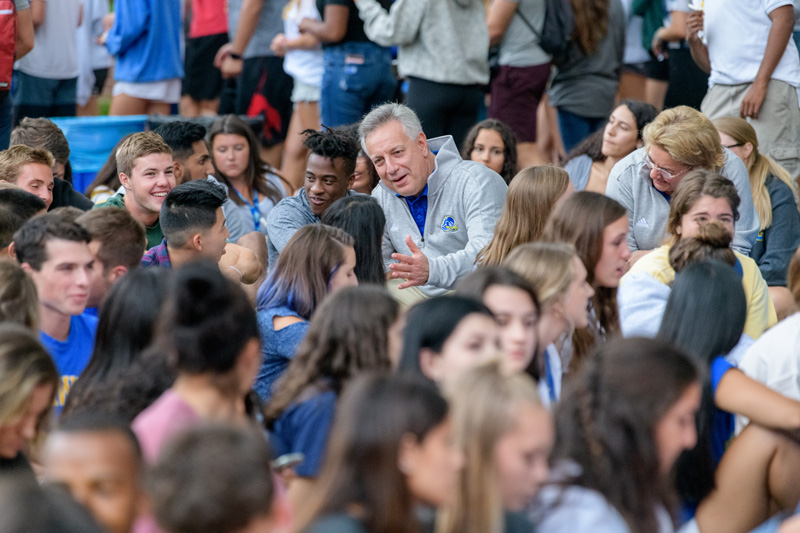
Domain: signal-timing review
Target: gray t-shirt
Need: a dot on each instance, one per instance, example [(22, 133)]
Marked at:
[(22, 4), (270, 24), (586, 86), (520, 46)]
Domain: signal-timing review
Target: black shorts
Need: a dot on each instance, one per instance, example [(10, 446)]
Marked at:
[(202, 80), (100, 77), (265, 89)]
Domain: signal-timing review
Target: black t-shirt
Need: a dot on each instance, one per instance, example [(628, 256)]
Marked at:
[(355, 28)]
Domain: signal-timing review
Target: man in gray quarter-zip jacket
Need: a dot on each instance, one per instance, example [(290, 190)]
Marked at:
[(440, 210)]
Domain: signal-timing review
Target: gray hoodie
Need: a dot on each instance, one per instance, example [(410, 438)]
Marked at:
[(464, 202), (445, 41), (629, 183)]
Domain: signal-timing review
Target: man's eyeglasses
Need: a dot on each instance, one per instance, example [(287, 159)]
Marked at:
[(666, 174)]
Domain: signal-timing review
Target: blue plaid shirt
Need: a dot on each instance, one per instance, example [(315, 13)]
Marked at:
[(157, 256)]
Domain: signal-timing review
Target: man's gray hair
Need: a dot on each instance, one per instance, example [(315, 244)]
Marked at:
[(384, 114)]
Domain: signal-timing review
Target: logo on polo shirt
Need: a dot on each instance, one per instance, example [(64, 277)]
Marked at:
[(448, 224)]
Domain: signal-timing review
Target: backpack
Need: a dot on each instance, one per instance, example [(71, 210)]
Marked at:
[(8, 44), (556, 36)]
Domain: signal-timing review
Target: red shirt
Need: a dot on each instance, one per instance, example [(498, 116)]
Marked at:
[(209, 17)]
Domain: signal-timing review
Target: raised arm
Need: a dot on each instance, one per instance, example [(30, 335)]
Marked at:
[(399, 26)]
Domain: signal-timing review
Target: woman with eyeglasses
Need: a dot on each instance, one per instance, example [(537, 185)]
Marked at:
[(679, 140), (704, 196), (775, 200)]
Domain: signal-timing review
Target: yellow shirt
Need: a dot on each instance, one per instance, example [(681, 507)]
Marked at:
[(760, 310)]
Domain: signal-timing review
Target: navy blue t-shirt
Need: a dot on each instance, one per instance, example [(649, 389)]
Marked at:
[(303, 428)]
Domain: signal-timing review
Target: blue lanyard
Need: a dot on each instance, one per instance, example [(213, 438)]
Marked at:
[(551, 386), (253, 207)]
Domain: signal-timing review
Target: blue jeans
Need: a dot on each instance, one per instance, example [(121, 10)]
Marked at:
[(575, 128), (5, 123), (358, 76)]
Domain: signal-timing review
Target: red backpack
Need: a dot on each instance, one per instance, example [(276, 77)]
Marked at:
[(8, 44)]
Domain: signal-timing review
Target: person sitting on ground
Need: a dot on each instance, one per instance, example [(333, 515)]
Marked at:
[(596, 226), (363, 219), (679, 140), (55, 253), (19, 303), (213, 345), (146, 170), (445, 336), (29, 168), (189, 151), (28, 385), (43, 133), (329, 176), (559, 278), (193, 224), (117, 244), (293, 291), (619, 430), (515, 305), (243, 496), (17, 206), (506, 436), (390, 454), (773, 358), (254, 187), (704, 195), (704, 316), (493, 144), (356, 330), (533, 194), (96, 458), (775, 199), (453, 204), (589, 164), (125, 328)]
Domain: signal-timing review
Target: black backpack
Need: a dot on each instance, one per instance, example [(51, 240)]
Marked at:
[(559, 23)]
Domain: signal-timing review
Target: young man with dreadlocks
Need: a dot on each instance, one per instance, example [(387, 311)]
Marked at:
[(329, 176)]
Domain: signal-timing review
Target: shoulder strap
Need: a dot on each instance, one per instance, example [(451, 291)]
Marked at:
[(527, 22)]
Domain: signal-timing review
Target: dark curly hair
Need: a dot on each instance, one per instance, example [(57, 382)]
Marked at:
[(333, 144), (509, 145)]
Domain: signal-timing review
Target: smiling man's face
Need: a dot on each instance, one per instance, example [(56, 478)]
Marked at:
[(326, 181), (152, 177), (402, 163)]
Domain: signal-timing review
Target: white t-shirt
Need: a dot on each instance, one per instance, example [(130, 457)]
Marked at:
[(736, 32), (774, 360), (55, 55), (304, 65)]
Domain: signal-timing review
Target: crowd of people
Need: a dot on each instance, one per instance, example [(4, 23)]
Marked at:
[(360, 315)]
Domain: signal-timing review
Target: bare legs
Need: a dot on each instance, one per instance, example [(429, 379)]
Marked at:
[(756, 478)]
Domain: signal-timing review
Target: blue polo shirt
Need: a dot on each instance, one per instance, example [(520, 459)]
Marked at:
[(418, 205)]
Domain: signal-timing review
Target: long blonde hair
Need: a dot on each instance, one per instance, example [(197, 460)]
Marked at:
[(24, 365), (531, 196), (548, 266), (759, 166), (484, 406)]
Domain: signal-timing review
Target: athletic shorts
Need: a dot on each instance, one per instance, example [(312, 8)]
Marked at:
[(202, 80), (516, 92)]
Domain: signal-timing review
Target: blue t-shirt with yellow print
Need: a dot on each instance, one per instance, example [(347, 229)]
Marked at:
[(71, 356)]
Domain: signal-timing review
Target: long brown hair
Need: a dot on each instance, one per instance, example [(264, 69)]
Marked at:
[(531, 196), (759, 166), (606, 424), (581, 220), (361, 471), (348, 334), (591, 23), (255, 173)]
